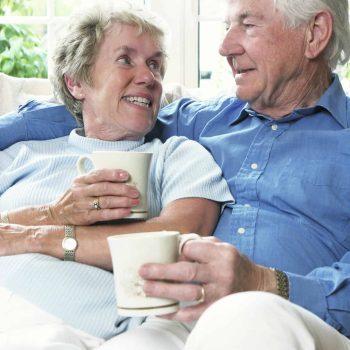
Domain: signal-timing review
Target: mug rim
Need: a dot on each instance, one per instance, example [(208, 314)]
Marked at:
[(135, 235)]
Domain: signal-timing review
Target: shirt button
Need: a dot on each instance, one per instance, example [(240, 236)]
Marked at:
[(254, 166), (274, 127), (241, 231), (247, 205)]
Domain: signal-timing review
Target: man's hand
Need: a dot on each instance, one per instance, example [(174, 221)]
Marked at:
[(216, 266)]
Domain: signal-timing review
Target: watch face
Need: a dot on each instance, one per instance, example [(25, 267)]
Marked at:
[(69, 243)]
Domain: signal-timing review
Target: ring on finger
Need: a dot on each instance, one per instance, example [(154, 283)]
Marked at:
[(201, 299), (96, 204)]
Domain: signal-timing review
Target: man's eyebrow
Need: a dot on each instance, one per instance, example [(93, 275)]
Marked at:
[(243, 15), (246, 14)]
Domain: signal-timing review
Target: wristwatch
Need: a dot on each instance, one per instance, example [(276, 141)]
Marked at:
[(69, 243)]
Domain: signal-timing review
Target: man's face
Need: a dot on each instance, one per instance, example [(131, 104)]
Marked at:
[(266, 58)]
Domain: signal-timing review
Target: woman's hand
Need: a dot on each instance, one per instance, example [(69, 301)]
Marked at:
[(215, 266), (106, 189)]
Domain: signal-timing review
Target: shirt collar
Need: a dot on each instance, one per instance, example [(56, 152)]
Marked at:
[(333, 100)]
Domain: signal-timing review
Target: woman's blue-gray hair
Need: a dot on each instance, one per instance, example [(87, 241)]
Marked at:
[(76, 49), (298, 12)]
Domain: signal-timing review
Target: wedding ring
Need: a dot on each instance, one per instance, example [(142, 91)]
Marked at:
[(96, 204), (202, 297)]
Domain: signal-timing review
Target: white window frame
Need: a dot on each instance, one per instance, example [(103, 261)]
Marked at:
[(182, 18)]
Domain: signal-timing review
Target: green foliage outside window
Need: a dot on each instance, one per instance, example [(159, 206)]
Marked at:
[(21, 54)]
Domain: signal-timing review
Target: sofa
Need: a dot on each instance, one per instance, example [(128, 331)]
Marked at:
[(16, 91)]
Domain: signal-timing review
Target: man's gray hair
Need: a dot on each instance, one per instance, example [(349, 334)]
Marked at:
[(298, 12), (76, 50)]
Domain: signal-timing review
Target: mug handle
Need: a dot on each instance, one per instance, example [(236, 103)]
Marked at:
[(185, 237), (81, 164)]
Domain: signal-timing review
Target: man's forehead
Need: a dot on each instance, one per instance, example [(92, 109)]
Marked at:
[(243, 8)]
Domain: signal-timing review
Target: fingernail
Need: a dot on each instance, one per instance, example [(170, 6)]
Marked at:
[(134, 193), (135, 201), (122, 175)]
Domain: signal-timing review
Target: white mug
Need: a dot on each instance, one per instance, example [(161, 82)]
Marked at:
[(135, 163), (129, 252)]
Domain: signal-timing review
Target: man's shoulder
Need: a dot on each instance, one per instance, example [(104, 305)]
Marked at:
[(35, 121), (212, 105)]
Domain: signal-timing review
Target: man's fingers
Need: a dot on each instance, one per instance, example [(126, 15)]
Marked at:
[(182, 271), (182, 292), (206, 250)]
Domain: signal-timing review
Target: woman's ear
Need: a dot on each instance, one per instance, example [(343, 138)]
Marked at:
[(74, 87), (318, 34)]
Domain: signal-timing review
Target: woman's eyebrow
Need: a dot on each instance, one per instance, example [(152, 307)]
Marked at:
[(130, 50)]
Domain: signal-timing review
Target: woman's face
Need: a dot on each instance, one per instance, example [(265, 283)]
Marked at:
[(123, 100)]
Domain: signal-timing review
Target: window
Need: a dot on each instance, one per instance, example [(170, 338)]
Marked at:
[(38, 20), (214, 73), (196, 28)]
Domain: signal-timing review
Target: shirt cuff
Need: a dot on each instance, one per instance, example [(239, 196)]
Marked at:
[(308, 293)]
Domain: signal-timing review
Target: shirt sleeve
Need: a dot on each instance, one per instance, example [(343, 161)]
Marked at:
[(325, 292), (184, 117), (188, 170), (35, 121)]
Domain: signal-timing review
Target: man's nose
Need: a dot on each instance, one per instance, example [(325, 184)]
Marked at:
[(231, 44)]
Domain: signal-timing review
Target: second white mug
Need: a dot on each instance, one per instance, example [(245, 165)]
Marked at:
[(129, 252)]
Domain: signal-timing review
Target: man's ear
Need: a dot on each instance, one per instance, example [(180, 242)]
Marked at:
[(74, 87), (318, 34)]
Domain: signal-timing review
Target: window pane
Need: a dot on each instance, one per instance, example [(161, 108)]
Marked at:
[(210, 8), (23, 8), (23, 52), (66, 7), (214, 72)]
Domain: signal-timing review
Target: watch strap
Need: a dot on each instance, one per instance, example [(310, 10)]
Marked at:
[(69, 232), (282, 283), (4, 217)]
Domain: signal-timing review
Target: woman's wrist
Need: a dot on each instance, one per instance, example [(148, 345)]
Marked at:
[(36, 216), (4, 218)]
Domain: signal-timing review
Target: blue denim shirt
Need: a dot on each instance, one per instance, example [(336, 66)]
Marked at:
[(35, 121), (291, 184)]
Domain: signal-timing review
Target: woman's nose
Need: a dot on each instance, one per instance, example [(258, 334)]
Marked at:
[(144, 75)]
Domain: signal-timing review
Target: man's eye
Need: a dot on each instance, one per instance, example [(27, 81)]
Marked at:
[(248, 25)]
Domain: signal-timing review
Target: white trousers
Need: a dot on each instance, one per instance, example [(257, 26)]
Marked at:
[(262, 321), (25, 326), (154, 334)]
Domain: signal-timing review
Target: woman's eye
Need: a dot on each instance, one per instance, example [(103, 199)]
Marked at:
[(124, 60), (154, 65)]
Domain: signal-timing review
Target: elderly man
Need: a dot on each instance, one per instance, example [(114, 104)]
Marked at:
[(281, 280)]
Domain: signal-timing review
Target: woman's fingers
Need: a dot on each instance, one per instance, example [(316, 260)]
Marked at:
[(101, 175), (101, 195)]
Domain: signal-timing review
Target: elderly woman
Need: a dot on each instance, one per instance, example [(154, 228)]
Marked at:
[(109, 66)]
